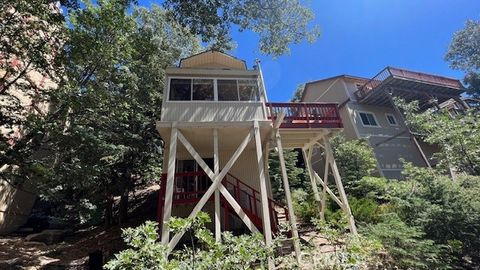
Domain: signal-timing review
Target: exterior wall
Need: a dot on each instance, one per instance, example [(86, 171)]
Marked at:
[(212, 111), (388, 151), (15, 207)]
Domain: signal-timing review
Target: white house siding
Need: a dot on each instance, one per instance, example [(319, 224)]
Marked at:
[(211, 111)]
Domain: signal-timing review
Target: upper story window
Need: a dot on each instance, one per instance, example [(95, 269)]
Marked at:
[(368, 119), (213, 90), (391, 119)]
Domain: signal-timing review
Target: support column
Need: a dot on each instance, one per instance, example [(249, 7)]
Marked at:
[(216, 168), (324, 191), (341, 191), (267, 230), (307, 160), (288, 196), (167, 208)]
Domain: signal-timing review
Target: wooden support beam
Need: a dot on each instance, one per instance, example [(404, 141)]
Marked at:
[(325, 186), (267, 230), (167, 208), (341, 191), (288, 197), (308, 163), (215, 185), (216, 168), (329, 191)]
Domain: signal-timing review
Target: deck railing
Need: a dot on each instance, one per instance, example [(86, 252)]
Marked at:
[(306, 115), (373, 83), (247, 197)]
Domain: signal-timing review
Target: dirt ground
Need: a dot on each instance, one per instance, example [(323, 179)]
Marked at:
[(73, 252)]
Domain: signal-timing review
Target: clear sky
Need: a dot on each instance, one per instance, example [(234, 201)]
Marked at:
[(361, 37)]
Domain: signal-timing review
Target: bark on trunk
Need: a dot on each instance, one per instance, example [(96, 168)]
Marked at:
[(109, 212), (123, 208)]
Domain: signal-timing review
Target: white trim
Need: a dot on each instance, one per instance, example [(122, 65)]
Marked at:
[(366, 135), (374, 117), (394, 118)]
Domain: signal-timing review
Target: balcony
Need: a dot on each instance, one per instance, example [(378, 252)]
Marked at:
[(409, 85), (305, 115)]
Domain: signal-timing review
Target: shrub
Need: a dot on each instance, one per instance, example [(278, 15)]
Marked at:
[(354, 158), (234, 252)]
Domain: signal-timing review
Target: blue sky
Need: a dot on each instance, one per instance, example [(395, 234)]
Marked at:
[(361, 37)]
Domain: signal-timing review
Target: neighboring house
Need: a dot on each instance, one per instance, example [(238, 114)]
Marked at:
[(218, 126), (368, 112)]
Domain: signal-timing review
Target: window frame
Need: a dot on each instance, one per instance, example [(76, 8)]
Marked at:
[(215, 90), (394, 118), (374, 118)]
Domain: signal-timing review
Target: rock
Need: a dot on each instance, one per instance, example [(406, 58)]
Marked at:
[(47, 236)]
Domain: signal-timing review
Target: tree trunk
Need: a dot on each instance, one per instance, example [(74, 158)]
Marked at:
[(109, 212), (123, 208)]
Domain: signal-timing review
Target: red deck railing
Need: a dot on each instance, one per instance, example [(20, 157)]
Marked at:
[(306, 115), (195, 184)]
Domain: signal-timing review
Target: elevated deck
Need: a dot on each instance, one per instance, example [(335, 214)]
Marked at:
[(305, 123), (410, 86)]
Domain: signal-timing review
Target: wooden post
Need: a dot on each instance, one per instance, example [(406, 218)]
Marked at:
[(215, 185), (288, 196), (267, 230), (167, 208), (324, 191), (216, 168), (306, 159), (341, 191)]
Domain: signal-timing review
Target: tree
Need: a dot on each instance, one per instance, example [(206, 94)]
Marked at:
[(105, 141), (279, 23), (297, 95), (294, 172), (464, 54), (355, 159), (458, 137)]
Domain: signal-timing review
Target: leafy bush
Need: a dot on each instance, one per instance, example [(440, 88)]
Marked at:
[(354, 158), (405, 244), (304, 204), (145, 252)]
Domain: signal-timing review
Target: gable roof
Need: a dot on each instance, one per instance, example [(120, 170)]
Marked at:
[(213, 58)]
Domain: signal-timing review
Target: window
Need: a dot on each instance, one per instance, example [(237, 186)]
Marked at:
[(213, 89), (180, 89), (248, 90), (391, 119), (368, 119), (227, 90), (202, 89)]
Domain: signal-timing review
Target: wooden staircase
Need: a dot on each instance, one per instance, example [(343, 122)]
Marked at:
[(247, 197)]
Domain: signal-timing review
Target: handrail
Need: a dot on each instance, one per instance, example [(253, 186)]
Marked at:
[(234, 186), (306, 114), (373, 83)]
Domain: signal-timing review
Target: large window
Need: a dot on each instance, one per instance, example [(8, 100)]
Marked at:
[(203, 89), (227, 90), (368, 119), (180, 89), (213, 89)]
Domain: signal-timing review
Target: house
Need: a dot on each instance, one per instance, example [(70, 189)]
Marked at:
[(368, 112), (218, 128)]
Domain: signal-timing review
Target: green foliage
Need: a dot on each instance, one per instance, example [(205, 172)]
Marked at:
[(304, 204), (297, 95), (458, 137), (405, 244), (365, 210), (464, 54), (234, 252), (294, 173), (278, 23), (354, 159)]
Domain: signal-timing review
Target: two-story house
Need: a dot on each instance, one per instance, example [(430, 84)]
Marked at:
[(368, 112), (218, 128)]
